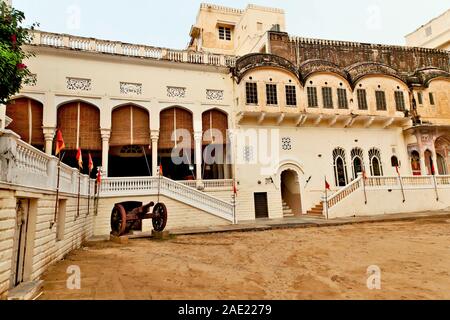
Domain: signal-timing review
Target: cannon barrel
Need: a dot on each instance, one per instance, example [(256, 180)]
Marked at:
[(142, 210)]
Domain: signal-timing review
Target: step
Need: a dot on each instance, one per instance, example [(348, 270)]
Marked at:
[(26, 291), (287, 212)]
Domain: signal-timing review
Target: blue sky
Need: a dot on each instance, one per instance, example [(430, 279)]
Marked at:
[(167, 23)]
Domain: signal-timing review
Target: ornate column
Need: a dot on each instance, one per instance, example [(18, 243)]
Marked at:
[(106, 135), (423, 166), (49, 135), (198, 137), (155, 139)]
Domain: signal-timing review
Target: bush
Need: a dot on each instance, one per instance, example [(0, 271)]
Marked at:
[(13, 72)]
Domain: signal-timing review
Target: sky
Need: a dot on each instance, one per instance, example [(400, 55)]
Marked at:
[(166, 23)]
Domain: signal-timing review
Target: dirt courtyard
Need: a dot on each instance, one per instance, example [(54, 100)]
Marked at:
[(313, 263)]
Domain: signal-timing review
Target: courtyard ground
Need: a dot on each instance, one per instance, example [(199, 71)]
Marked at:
[(305, 263)]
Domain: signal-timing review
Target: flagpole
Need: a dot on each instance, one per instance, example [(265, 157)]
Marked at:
[(435, 187), (57, 191), (401, 185), (89, 193), (79, 194), (326, 197), (364, 187)]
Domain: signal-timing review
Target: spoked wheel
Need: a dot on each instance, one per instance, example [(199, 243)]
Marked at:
[(159, 217), (118, 220)]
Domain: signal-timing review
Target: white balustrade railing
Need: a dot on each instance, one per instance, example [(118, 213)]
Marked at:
[(130, 50), (106, 47), (54, 40), (384, 183), (22, 164), (79, 43), (225, 184), (344, 192), (175, 190), (113, 47)]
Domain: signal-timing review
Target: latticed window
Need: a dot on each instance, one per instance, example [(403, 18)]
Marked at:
[(431, 98), (224, 33), (362, 99), (376, 167), (291, 96), (420, 98), (312, 97), (357, 161), (342, 98), (340, 167), (381, 100), (400, 100), (327, 94), (251, 91), (271, 94)]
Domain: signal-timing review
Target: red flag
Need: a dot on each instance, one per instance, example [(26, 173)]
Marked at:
[(91, 164), (80, 159), (398, 170), (433, 172), (327, 185), (60, 145), (235, 188), (160, 170), (364, 175), (99, 177)]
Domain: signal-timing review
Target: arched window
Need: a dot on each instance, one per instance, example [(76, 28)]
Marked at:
[(357, 162), (376, 167), (394, 162), (415, 163), (340, 167)]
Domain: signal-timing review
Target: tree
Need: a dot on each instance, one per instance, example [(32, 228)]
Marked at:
[(13, 72)]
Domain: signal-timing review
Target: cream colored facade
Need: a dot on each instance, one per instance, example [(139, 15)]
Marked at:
[(435, 34), (289, 127)]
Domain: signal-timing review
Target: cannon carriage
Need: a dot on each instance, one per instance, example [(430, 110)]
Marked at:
[(127, 216)]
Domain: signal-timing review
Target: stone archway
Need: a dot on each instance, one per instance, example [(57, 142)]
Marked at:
[(442, 146), (290, 193)]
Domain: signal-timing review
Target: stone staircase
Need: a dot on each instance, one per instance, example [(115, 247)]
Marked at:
[(287, 211), (317, 211)]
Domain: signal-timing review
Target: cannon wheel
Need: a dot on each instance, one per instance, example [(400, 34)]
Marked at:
[(159, 217), (119, 220)]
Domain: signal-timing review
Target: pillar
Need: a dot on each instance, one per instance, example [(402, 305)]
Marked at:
[(106, 135), (435, 163), (49, 136), (2, 116), (198, 138), (155, 139), (423, 166)]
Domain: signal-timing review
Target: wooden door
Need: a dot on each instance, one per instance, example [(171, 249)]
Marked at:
[(261, 206)]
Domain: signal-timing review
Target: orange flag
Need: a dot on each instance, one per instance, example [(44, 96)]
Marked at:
[(91, 164), (60, 145), (80, 159), (161, 170)]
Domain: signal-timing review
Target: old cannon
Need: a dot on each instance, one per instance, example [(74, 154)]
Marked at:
[(127, 216)]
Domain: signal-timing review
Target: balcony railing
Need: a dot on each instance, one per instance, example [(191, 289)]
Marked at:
[(132, 50)]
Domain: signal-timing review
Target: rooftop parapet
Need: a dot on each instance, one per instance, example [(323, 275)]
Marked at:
[(65, 41)]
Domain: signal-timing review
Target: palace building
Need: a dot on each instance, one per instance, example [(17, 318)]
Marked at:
[(279, 115)]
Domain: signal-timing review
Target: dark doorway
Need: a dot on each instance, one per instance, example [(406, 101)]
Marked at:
[(261, 206), (129, 161), (20, 240)]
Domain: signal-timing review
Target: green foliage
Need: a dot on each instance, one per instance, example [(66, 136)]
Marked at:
[(13, 72)]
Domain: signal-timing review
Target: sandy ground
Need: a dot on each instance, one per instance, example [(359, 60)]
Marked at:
[(315, 263)]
